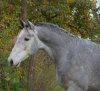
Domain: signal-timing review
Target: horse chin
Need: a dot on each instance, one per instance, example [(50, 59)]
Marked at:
[(18, 65), (15, 66)]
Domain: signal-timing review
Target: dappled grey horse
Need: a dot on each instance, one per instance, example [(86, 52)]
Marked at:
[(77, 61)]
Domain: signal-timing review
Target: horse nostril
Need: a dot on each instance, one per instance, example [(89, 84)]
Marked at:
[(11, 62)]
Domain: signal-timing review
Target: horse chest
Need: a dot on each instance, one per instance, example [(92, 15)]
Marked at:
[(62, 78)]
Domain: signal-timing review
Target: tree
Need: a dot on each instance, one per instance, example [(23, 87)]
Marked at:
[(23, 11), (23, 16)]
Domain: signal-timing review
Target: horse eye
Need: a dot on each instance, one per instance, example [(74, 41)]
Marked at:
[(26, 39)]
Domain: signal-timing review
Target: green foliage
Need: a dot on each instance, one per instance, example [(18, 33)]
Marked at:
[(58, 88), (8, 28)]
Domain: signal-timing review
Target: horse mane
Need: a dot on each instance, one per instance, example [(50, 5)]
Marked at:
[(52, 27)]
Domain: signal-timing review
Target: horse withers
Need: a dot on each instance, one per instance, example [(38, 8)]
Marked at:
[(77, 61)]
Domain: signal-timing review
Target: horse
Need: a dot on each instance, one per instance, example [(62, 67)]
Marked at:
[(76, 60)]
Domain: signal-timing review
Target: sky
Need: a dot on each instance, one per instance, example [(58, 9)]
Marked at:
[(98, 3)]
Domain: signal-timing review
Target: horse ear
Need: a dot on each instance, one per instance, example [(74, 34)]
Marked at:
[(30, 25), (22, 24)]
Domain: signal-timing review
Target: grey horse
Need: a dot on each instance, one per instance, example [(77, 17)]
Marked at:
[(77, 61)]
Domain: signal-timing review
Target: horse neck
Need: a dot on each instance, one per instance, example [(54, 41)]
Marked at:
[(56, 43)]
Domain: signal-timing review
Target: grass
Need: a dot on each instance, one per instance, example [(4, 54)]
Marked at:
[(58, 88)]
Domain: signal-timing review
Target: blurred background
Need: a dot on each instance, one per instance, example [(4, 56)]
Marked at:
[(79, 17)]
